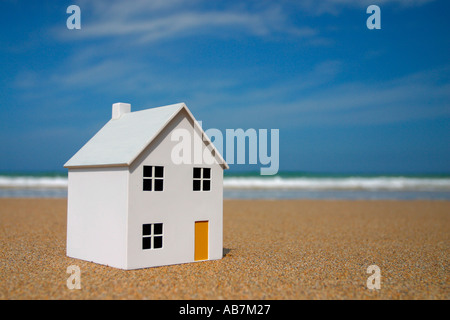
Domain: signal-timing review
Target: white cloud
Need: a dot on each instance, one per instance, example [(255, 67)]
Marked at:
[(310, 98), (336, 6), (417, 96), (149, 21)]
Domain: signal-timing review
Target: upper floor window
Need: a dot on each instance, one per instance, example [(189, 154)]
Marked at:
[(153, 178), (202, 179)]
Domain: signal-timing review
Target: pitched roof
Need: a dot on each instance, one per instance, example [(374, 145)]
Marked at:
[(122, 140)]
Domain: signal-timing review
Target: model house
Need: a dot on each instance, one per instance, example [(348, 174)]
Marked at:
[(131, 206)]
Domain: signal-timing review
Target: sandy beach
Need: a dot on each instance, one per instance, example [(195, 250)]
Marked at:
[(293, 249)]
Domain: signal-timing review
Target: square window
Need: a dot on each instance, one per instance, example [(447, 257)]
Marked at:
[(148, 171), (147, 184), (158, 228), (206, 185), (146, 229), (158, 184), (159, 172), (197, 173), (147, 243), (152, 236), (151, 172), (202, 179), (196, 185), (157, 242)]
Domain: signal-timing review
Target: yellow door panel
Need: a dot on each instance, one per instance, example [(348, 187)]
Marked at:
[(201, 240)]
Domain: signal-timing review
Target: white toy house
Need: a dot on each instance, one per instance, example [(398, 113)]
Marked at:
[(130, 206)]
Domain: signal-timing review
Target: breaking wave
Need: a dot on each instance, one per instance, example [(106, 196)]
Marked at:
[(400, 183), (350, 183), (29, 182)]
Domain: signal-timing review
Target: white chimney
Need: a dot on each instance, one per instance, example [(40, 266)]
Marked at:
[(118, 109)]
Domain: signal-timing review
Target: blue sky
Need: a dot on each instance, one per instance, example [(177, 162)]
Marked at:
[(345, 98)]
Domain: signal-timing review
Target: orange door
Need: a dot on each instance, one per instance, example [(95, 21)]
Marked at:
[(201, 240)]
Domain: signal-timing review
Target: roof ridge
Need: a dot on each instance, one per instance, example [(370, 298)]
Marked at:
[(160, 107)]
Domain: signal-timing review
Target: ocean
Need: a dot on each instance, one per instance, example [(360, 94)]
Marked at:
[(287, 185)]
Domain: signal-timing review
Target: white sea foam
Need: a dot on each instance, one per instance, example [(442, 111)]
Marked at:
[(350, 183), (268, 183), (32, 182)]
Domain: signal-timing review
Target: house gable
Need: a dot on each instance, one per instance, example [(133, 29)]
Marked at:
[(176, 207)]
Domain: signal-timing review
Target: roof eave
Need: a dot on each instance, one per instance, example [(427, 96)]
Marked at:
[(86, 166)]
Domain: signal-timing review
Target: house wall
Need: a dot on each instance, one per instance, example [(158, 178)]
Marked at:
[(97, 215), (177, 206)]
